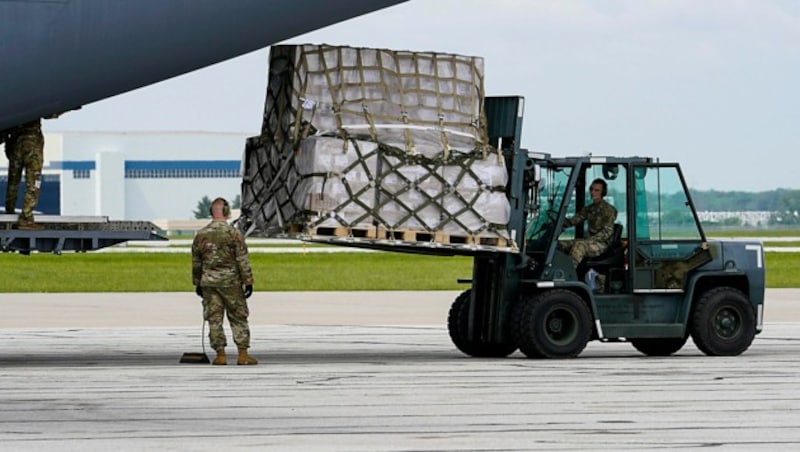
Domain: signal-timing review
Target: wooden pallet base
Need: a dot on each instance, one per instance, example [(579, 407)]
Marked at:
[(404, 235), (359, 232)]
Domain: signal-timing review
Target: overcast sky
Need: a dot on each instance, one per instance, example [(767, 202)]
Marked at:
[(711, 84)]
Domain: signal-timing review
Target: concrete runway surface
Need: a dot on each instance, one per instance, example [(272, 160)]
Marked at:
[(369, 371)]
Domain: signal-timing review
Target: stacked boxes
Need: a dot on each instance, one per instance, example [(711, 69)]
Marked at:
[(375, 139), (334, 183)]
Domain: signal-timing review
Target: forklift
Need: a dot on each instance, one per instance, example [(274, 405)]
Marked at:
[(660, 282)]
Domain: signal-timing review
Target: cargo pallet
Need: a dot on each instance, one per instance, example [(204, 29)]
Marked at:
[(416, 240)]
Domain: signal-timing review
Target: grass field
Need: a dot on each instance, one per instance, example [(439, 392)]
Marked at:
[(783, 270), (157, 272)]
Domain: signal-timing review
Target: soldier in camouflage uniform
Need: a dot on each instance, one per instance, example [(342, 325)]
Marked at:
[(222, 275), (25, 150), (601, 216)]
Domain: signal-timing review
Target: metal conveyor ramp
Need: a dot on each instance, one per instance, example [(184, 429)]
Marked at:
[(73, 233)]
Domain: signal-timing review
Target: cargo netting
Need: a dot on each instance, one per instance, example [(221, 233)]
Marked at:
[(375, 144)]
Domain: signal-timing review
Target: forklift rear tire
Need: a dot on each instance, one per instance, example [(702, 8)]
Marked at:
[(662, 346), (458, 327), (553, 324), (723, 322)]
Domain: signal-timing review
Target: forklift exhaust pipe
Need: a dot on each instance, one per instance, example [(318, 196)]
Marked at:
[(197, 358)]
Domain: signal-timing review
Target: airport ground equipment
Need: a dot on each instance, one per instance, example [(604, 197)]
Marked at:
[(661, 282), (73, 233)]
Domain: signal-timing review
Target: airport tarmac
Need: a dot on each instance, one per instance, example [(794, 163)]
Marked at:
[(369, 371)]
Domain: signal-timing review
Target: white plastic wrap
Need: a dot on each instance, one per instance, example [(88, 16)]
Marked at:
[(421, 102), (334, 181), (448, 198)]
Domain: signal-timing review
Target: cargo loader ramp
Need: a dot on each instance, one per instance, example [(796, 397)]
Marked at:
[(73, 233)]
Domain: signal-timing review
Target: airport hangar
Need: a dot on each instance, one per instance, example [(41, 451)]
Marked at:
[(134, 175)]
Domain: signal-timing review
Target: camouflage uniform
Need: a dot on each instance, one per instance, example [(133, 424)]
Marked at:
[(24, 149), (221, 266), (600, 216)]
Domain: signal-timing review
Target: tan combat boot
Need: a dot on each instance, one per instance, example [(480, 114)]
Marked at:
[(245, 359), (221, 359)]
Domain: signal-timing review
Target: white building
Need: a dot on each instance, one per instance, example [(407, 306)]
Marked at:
[(136, 175)]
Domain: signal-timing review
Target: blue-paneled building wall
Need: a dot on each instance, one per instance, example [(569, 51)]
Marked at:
[(135, 175)]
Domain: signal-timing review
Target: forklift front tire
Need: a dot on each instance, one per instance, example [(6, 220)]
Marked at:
[(458, 325), (723, 322), (553, 324)]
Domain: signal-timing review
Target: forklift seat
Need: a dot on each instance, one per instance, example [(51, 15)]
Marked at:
[(614, 256)]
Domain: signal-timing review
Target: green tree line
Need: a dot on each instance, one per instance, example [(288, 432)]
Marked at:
[(781, 200), (784, 204)]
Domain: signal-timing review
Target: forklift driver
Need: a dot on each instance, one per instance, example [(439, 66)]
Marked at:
[(600, 216)]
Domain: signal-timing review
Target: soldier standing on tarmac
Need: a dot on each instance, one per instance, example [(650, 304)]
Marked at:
[(25, 150), (222, 275), (601, 216)]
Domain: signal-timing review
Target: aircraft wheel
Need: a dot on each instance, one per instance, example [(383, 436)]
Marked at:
[(663, 346), (553, 324), (458, 327), (723, 322)]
